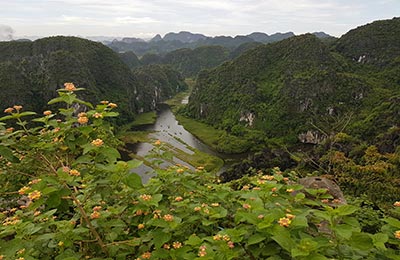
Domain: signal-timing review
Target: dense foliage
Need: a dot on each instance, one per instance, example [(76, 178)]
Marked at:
[(31, 73), (160, 82), (68, 196), (191, 62), (299, 84)]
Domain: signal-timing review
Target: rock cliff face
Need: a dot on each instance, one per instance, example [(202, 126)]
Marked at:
[(312, 137)]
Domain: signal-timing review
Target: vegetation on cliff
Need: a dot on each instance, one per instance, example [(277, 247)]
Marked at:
[(66, 195), (31, 73)]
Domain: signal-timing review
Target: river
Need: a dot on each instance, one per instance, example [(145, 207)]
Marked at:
[(167, 129)]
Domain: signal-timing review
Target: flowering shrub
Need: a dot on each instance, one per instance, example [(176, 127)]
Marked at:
[(68, 196)]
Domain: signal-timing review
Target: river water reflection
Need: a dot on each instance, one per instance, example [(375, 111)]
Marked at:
[(168, 130)]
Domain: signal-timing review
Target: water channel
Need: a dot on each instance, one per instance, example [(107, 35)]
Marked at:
[(167, 129)]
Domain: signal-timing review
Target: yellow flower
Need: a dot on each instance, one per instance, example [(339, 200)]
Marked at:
[(36, 213), (18, 108), (74, 173), (145, 197), (83, 120), (35, 181), (69, 86), (112, 105), (396, 204), (215, 204), (168, 218), (289, 190), (146, 255), (180, 170), (34, 195), (96, 208), (397, 234), (197, 208), (8, 110), (284, 222), (23, 190), (202, 251), (217, 237), (140, 226), (178, 199), (47, 113), (176, 245), (290, 216), (97, 142), (95, 215), (157, 143), (247, 206), (97, 115), (60, 244), (20, 252), (226, 238), (104, 102)]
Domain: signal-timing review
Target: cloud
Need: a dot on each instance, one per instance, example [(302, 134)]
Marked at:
[(135, 20), (212, 17), (6, 33)]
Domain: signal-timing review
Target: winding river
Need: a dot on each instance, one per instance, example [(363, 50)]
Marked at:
[(167, 129)]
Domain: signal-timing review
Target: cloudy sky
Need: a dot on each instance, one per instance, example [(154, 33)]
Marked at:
[(145, 18)]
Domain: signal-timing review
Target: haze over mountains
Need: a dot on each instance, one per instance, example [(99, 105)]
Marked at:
[(172, 41)]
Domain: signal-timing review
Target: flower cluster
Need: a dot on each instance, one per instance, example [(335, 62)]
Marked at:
[(97, 142), (69, 86), (82, 118), (202, 251)]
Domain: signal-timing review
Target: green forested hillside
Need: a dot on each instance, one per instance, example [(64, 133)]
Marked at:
[(281, 88), (44, 65), (190, 62), (301, 84), (130, 59), (31, 72), (159, 82), (317, 104), (376, 43)]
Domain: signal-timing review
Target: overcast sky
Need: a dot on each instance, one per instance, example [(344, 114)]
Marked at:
[(145, 18)]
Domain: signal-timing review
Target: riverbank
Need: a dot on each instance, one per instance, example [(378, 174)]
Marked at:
[(217, 139), (139, 138)]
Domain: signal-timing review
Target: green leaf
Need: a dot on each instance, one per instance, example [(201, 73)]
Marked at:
[(345, 210), (134, 163), (255, 239), (110, 153), (344, 231), (132, 180), (6, 117), (8, 154), (379, 240), (27, 113), (193, 240), (110, 114), (283, 238), (160, 238), (362, 241), (393, 222), (57, 100)]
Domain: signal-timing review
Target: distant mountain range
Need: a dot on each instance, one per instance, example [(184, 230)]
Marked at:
[(173, 41)]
